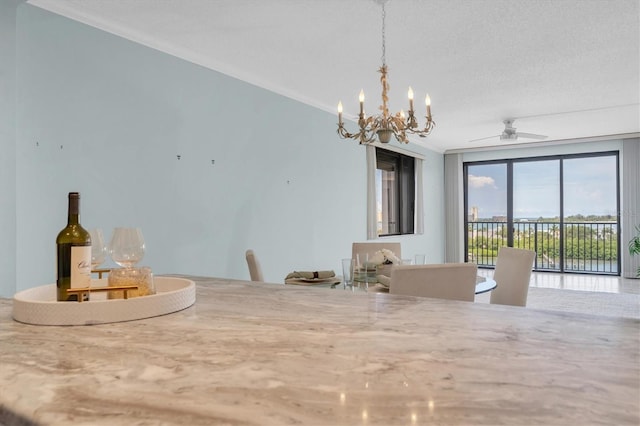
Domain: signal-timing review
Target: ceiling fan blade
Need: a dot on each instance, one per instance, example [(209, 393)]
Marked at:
[(530, 135), (484, 139)]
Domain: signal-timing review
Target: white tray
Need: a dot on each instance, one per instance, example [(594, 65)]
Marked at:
[(38, 305)]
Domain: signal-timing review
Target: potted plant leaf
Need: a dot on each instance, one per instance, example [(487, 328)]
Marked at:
[(634, 247)]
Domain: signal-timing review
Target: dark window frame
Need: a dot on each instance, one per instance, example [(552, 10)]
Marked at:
[(509, 162), (404, 166)]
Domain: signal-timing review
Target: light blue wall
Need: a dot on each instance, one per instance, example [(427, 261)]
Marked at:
[(107, 117), (7, 145)]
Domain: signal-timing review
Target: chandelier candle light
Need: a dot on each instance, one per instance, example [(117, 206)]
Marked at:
[(385, 124)]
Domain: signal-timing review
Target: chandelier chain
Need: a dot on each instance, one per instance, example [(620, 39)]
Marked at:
[(384, 48)]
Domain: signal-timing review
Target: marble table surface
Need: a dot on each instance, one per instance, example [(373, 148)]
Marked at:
[(263, 354)]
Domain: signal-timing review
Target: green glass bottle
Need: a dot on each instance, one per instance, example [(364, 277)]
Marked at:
[(73, 254)]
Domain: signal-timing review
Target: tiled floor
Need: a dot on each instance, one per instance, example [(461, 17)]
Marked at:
[(584, 282)]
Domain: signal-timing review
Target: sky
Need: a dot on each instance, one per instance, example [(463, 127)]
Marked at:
[(589, 188)]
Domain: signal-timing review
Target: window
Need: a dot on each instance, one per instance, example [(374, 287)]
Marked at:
[(395, 193), (563, 207)]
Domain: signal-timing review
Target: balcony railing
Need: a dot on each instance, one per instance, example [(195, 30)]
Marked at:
[(590, 247)]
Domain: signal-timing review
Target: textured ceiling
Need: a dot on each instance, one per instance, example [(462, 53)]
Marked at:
[(563, 68)]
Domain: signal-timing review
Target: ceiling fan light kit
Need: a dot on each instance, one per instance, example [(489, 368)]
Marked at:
[(510, 133)]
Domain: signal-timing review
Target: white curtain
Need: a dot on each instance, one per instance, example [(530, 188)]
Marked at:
[(630, 215), (454, 208), (419, 229), (372, 232)]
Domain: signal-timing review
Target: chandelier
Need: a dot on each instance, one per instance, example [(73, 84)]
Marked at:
[(384, 125)]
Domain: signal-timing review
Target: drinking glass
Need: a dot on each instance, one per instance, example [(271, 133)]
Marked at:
[(363, 271), (98, 249), (347, 272), (127, 246), (421, 259), (142, 277), (407, 261)]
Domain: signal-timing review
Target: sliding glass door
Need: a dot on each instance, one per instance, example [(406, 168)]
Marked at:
[(536, 210), (562, 207), (590, 215), (486, 201)]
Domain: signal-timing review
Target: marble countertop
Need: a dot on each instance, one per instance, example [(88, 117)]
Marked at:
[(263, 354)]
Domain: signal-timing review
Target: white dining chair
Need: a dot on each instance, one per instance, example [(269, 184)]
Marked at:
[(512, 274), (372, 248), (255, 272), (453, 281)]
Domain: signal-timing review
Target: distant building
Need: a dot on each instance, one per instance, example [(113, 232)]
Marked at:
[(473, 216)]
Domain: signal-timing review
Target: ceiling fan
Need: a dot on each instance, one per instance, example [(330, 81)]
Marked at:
[(509, 133)]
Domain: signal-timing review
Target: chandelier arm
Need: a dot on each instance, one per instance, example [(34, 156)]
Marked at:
[(424, 132), (370, 139), (411, 121), (363, 136), (398, 127)]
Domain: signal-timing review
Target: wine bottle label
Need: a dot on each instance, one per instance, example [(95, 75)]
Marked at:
[(80, 266)]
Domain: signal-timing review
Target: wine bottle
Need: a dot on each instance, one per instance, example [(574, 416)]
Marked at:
[(73, 254)]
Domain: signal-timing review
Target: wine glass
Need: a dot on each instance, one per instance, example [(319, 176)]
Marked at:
[(127, 246), (98, 249)]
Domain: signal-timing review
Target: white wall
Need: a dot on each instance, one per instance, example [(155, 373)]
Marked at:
[(107, 117)]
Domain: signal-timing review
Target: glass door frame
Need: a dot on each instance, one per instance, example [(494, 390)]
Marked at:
[(510, 222)]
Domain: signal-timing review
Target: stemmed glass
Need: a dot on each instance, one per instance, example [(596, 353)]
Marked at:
[(127, 246), (98, 249)]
